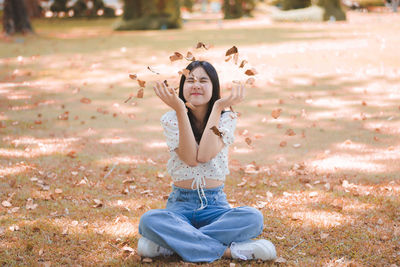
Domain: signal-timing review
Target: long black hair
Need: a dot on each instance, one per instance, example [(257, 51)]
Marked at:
[(216, 94)]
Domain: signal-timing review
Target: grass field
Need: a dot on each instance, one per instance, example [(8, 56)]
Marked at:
[(79, 166)]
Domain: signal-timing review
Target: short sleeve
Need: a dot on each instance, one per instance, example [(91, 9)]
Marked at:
[(169, 122), (227, 127)]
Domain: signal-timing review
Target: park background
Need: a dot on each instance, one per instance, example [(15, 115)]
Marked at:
[(317, 149)]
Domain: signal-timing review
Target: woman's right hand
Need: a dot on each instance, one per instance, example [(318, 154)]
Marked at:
[(169, 96)]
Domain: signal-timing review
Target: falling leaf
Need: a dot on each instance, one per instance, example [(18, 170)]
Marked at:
[(244, 62), (250, 81), (216, 131), (152, 70), (364, 103), (248, 140), (129, 98), (176, 56), (132, 76), (231, 51), (251, 72), (290, 132), (184, 72), (201, 44), (190, 57), (140, 93), (276, 113), (141, 83), (228, 58), (166, 83), (283, 144), (86, 100), (190, 105), (6, 204), (236, 58)]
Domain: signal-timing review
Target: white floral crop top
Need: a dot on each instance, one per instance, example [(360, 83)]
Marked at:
[(216, 168)]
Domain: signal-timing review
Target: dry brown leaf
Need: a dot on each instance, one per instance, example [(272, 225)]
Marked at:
[(242, 183), (228, 58), (129, 98), (231, 51), (290, 132), (283, 144), (201, 44), (176, 56), (141, 83), (140, 93), (132, 76), (58, 191), (72, 154), (166, 83), (128, 181), (147, 260), (97, 203), (216, 131), (128, 249), (190, 105), (6, 204), (184, 72), (250, 81), (190, 57), (86, 100), (244, 62), (251, 72), (276, 113), (248, 140), (152, 70)]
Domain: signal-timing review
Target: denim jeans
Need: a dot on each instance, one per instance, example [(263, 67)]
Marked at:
[(200, 235)]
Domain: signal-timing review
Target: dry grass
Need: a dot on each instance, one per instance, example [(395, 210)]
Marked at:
[(333, 201)]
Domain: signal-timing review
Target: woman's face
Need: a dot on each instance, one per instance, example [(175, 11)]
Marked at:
[(197, 88)]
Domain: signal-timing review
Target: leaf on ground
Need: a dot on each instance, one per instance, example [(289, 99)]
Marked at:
[(14, 228), (133, 76), (251, 72), (290, 132), (140, 93), (147, 260), (58, 191), (97, 203), (231, 51), (128, 249), (248, 140), (280, 260), (72, 154), (128, 181), (176, 56), (283, 144), (30, 205), (244, 181), (276, 113), (6, 204), (86, 100)]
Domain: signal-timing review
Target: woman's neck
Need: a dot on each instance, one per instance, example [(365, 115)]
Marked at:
[(200, 113)]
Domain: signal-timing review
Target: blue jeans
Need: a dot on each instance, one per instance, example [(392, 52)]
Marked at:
[(200, 235)]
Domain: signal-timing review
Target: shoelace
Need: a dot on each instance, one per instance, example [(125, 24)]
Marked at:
[(200, 182)]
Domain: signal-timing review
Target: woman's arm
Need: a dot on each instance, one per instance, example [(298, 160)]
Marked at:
[(210, 143), (187, 147)]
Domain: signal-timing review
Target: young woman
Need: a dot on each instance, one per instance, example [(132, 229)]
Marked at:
[(198, 224)]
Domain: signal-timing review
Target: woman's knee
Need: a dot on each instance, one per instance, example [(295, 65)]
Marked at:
[(150, 219), (254, 217)]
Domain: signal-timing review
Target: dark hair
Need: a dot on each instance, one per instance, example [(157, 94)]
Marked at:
[(216, 94)]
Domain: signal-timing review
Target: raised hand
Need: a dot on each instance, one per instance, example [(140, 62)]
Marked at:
[(236, 96), (169, 96)]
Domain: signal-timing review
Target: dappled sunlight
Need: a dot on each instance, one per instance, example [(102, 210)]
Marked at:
[(15, 169), (121, 160), (321, 219), (117, 140), (242, 150), (156, 144), (27, 140)]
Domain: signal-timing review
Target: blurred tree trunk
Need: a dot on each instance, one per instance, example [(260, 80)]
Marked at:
[(333, 9), (33, 8), (150, 14), (295, 4), (233, 9), (15, 17)]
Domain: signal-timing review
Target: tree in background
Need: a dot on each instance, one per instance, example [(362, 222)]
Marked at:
[(33, 8), (234, 9), (333, 9), (295, 4), (150, 14), (15, 17)]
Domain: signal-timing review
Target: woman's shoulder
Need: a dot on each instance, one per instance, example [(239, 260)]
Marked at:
[(169, 116)]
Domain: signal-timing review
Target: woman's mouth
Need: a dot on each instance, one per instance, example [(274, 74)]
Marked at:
[(195, 94)]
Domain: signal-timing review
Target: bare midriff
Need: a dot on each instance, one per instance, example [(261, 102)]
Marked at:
[(210, 183)]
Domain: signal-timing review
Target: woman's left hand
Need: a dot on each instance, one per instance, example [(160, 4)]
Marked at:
[(237, 96)]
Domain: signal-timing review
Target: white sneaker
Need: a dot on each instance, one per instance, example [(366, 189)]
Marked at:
[(253, 250), (148, 248)]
